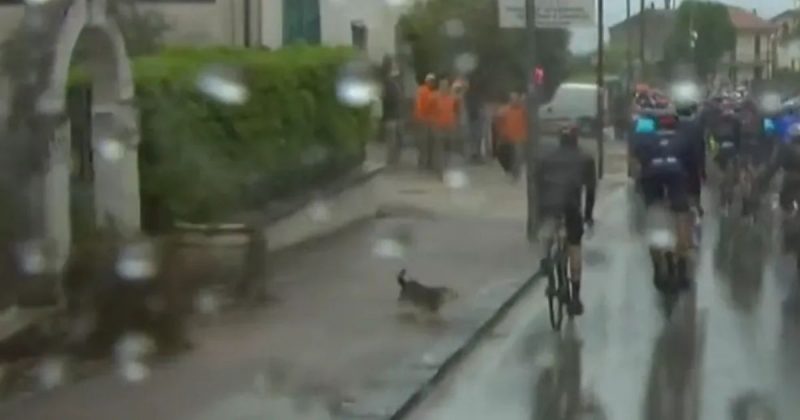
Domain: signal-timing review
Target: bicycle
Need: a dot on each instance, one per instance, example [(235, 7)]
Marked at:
[(555, 265)]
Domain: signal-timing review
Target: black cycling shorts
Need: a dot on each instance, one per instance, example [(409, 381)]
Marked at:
[(573, 221), (725, 156), (666, 186)]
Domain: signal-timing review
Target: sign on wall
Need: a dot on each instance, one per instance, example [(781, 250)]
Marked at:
[(549, 13), (564, 13)]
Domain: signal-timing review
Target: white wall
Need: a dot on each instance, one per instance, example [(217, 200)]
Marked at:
[(379, 17)]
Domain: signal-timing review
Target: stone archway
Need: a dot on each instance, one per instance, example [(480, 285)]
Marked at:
[(42, 120)]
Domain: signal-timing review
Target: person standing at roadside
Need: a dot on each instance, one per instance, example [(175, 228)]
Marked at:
[(424, 110), (513, 130), (392, 99), (446, 125)]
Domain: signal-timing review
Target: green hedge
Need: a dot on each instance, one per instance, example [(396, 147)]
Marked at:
[(202, 160)]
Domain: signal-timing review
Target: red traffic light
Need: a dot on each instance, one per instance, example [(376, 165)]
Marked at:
[(538, 76)]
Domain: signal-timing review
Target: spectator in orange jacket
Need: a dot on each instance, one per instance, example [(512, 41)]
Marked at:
[(513, 130), (445, 122), (424, 112)]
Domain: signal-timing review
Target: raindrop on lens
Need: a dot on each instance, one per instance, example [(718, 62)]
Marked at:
[(466, 62), (454, 28), (207, 302), (319, 211), (52, 373), (111, 149), (388, 248), (32, 258), (456, 179), (132, 347), (356, 86), (136, 262), (223, 84), (134, 371)]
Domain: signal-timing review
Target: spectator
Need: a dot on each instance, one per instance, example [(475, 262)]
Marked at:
[(424, 109), (446, 124), (474, 124), (513, 130), (392, 98)]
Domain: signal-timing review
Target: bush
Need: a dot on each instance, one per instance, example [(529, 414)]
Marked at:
[(200, 160)]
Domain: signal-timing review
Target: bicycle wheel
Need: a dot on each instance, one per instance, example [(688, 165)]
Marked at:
[(564, 284), (553, 296)]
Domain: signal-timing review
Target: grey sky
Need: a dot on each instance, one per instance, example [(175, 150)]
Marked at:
[(586, 39)]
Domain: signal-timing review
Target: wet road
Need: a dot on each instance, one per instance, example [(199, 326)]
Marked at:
[(729, 350)]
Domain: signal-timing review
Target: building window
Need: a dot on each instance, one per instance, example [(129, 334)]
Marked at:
[(301, 21)]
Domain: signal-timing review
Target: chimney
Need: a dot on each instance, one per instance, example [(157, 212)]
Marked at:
[(755, 12), (652, 5)]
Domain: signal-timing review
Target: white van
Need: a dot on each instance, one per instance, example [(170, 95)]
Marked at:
[(575, 103)]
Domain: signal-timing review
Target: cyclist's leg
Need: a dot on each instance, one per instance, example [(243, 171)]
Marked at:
[(679, 204), (573, 222), (652, 193)]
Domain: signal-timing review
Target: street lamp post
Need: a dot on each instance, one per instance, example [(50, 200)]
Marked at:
[(533, 120), (601, 95), (642, 63)]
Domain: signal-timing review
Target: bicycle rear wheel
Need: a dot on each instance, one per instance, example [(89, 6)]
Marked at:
[(564, 283), (554, 304)]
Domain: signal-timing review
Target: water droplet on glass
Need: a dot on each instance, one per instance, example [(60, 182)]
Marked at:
[(223, 84), (466, 62), (111, 149), (137, 261), (356, 85), (133, 346), (771, 103), (456, 178), (32, 258), (454, 28), (319, 211), (389, 248), (134, 371), (207, 302), (52, 372)]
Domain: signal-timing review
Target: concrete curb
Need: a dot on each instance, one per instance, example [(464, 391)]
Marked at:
[(409, 383), (453, 361)]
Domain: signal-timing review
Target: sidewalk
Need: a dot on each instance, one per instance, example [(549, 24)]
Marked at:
[(334, 344)]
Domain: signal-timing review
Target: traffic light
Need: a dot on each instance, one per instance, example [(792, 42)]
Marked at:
[(538, 76)]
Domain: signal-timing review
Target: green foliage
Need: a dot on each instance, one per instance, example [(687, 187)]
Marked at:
[(200, 159), (501, 53), (715, 36)]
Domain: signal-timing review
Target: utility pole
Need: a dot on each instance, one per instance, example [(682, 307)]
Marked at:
[(601, 95), (642, 63), (628, 52), (532, 144)]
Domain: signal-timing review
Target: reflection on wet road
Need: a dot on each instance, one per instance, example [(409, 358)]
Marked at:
[(730, 348)]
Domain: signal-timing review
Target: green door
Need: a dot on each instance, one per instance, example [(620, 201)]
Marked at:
[(301, 21)]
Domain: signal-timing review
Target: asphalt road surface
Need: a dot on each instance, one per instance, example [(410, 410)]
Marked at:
[(729, 349)]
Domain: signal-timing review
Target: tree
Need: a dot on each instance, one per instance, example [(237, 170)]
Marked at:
[(702, 35), (442, 32)]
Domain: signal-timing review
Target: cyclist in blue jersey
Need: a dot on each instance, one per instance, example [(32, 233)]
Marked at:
[(666, 156)]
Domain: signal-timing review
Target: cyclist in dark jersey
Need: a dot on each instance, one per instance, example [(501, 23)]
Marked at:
[(666, 156), (786, 158), (561, 175)]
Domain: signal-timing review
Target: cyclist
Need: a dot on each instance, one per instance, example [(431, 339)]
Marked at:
[(561, 175), (690, 128), (665, 156), (787, 158), (726, 140)]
